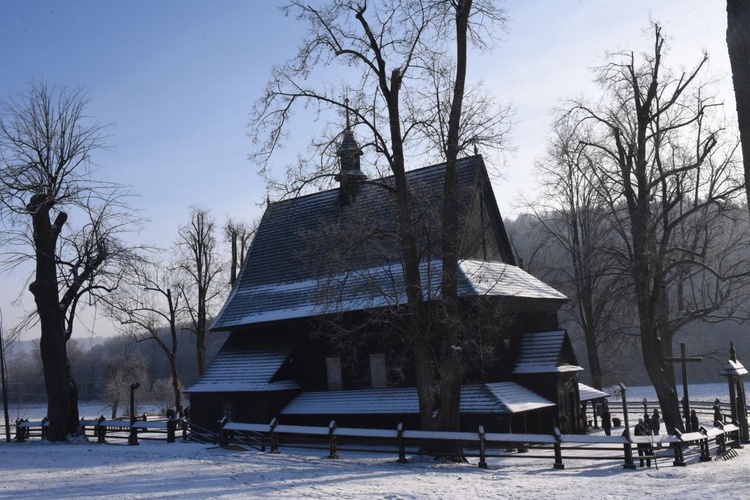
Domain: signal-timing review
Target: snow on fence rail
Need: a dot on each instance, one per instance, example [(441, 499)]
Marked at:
[(559, 447), (720, 441), (102, 428)]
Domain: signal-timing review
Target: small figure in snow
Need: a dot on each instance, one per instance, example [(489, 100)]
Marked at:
[(718, 416), (606, 420), (694, 424), (643, 448), (655, 422)]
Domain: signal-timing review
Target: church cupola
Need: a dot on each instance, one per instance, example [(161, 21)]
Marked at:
[(350, 173)]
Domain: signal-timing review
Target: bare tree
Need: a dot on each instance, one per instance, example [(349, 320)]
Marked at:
[(239, 235), (738, 43), (199, 262), (667, 178), (572, 218), (120, 368), (146, 306), (396, 48), (46, 144)]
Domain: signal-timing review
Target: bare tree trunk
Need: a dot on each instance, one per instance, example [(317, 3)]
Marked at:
[(197, 242), (51, 318), (595, 366), (449, 373)]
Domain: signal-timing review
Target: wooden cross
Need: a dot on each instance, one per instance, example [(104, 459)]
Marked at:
[(684, 360)]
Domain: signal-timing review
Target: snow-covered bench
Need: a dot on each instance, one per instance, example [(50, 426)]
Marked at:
[(102, 427), (732, 434), (26, 429), (681, 441)]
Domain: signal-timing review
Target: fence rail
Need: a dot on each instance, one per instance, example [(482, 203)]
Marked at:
[(101, 429), (719, 441), (556, 447)]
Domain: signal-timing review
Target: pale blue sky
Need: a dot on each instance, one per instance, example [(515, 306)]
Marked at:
[(177, 79)]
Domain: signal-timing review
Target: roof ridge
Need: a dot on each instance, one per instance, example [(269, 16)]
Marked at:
[(376, 180)]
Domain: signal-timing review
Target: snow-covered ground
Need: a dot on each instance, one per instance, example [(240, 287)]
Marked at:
[(36, 469), (155, 469)]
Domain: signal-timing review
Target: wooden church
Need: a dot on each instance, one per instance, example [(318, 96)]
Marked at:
[(313, 314)]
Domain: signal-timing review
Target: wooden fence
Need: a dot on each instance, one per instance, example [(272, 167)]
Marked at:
[(717, 442), (102, 429), (714, 441)]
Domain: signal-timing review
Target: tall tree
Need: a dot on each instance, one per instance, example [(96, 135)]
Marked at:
[(398, 50), (667, 177), (201, 288), (577, 240), (738, 43), (146, 306), (239, 235), (46, 145)]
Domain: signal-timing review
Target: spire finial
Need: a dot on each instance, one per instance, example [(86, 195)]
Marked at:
[(346, 105), (732, 352)]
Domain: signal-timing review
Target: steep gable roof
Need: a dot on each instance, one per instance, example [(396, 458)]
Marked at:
[(296, 237), (304, 242), (546, 352)]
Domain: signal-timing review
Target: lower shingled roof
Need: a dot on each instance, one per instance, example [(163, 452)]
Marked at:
[(240, 368), (497, 398)]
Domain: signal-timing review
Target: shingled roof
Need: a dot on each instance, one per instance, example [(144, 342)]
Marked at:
[(238, 367), (375, 287), (546, 352), (494, 398), (302, 242), (296, 237)]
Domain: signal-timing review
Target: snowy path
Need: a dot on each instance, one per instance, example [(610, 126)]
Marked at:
[(179, 470)]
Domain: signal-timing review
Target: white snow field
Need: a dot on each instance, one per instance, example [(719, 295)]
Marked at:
[(155, 469)]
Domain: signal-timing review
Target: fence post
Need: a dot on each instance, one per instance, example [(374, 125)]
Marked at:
[(482, 462), (44, 429), (721, 439), (274, 437), (736, 442), (19, 431), (171, 429), (628, 454), (333, 452), (401, 451), (223, 438), (133, 437), (705, 452), (679, 457), (558, 450), (100, 431)]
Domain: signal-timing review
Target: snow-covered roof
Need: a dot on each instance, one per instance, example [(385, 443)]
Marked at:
[(588, 393), (500, 397), (380, 286), (542, 352), (241, 368), (517, 398), (327, 253), (733, 368)]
